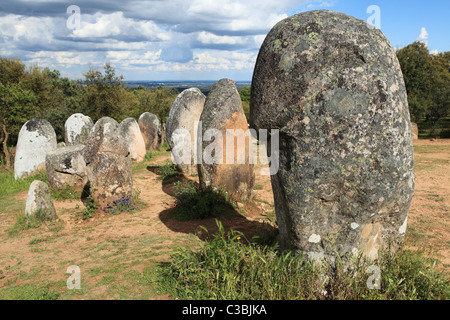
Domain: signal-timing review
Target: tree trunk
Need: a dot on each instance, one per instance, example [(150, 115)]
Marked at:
[(5, 147)]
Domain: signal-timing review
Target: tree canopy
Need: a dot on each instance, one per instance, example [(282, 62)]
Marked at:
[(427, 81)]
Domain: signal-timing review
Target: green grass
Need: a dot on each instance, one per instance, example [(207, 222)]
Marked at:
[(196, 203), (10, 186), (33, 221), (225, 267), (29, 292), (67, 193)]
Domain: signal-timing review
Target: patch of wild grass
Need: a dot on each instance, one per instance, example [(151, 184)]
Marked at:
[(225, 267), (28, 292), (67, 193), (196, 203), (24, 222), (10, 186)]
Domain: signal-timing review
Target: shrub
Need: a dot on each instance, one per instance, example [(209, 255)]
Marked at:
[(89, 209), (196, 203), (167, 171)]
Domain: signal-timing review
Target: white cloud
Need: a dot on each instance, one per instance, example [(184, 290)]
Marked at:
[(210, 38), (200, 36), (435, 51), (423, 36), (116, 25)]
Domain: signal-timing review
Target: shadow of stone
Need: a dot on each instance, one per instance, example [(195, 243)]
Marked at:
[(230, 219)]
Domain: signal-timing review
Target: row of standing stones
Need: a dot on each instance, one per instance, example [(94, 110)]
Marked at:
[(96, 158), (332, 85)]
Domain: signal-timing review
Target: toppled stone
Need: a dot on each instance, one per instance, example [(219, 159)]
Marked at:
[(66, 166), (36, 138), (333, 86)]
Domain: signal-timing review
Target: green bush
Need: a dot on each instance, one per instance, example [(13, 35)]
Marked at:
[(89, 209), (196, 203), (167, 171)]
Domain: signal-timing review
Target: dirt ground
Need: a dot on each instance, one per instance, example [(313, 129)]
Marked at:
[(113, 251)]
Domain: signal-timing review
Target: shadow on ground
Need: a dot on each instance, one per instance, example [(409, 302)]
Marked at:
[(231, 219)]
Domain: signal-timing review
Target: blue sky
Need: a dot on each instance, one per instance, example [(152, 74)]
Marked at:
[(186, 39)]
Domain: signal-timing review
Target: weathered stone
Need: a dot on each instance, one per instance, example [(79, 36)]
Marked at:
[(150, 129), (183, 118), (66, 166), (414, 131), (110, 178), (129, 130), (36, 138), (39, 200), (333, 87), (108, 163), (77, 129), (105, 137), (223, 111)]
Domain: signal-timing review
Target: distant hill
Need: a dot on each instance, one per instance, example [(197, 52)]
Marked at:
[(179, 86)]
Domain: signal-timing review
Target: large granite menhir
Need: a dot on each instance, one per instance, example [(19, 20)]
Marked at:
[(36, 138), (233, 173), (150, 130), (77, 128), (108, 163), (183, 118), (333, 87)]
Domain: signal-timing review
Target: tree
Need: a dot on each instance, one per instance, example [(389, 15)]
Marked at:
[(245, 97), (440, 75), (415, 63), (157, 101), (17, 106), (105, 95)]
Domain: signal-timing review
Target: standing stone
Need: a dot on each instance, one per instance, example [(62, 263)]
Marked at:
[(150, 129), (40, 200), (108, 163), (105, 137), (36, 138), (66, 166), (110, 178), (223, 111), (414, 131), (333, 87), (184, 115), (129, 130), (77, 128)]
